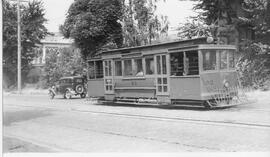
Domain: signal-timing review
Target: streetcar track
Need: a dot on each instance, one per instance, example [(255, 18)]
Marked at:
[(135, 136), (157, 118)]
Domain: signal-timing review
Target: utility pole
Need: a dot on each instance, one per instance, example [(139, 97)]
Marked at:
[(19, 62), (19, 47)]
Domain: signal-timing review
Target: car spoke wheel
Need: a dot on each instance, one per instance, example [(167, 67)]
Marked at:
[(79, 89), (67, 94), (83, 95)]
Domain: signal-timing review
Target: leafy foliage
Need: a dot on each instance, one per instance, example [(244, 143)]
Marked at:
[(65, 62), (254, 73), (233, 19), (193, 28), (93, 24), (140, 24), (32, 31)]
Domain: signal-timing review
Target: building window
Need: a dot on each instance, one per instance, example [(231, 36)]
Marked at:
[(118, 68), (127, 68), (209, 60), (150, 67)]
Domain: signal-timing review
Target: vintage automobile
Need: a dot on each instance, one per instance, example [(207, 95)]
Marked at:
[(68, 87)]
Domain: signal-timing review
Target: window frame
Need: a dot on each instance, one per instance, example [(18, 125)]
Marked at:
[(95, 70), (124, 67), (115, 68), (217, 60), (164, 58), (184, 63), (145, 65)]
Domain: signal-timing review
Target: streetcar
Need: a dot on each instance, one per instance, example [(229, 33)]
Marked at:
[(186, 73)]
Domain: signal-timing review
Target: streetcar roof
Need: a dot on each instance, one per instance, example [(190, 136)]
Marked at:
[(201, 40), (175, 46)]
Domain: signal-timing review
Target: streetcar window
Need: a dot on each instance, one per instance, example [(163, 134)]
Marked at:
[(158, 65), (99, 69), (149, 64), (164, 65), (223, 59), (231, 60), (118, 68), (108, 68), (209, 60), (95, 69), (184, 63), (127, 68), (138, 68), (91, 70), (108, 85), (177, 64), (191, 63)]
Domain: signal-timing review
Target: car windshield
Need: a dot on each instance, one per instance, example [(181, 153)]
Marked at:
[(78, 80), (65, 81)]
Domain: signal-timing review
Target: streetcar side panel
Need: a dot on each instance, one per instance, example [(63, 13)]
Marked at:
[(185, 88), (213, 83), (96, 88), (135, 88)]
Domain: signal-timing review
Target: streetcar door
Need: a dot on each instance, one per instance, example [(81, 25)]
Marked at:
[(108, 77), (162, 77)]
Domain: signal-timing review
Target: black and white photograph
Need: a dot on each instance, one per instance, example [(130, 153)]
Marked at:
[(135, 76)]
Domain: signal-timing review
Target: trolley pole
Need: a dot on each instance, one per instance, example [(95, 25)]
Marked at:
[(19, 47)]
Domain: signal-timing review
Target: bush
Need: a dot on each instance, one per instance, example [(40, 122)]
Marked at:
[(63, 62), (254, 72)]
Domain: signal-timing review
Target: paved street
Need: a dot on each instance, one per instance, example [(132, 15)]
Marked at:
[(78, 125)]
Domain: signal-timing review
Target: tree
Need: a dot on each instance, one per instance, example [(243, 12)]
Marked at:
[(140, 24), (245, 23), (93, 24), (32, 31), (193, 28), (63, 62)]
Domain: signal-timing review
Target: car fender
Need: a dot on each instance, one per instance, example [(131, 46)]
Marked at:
[(71, 91)]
